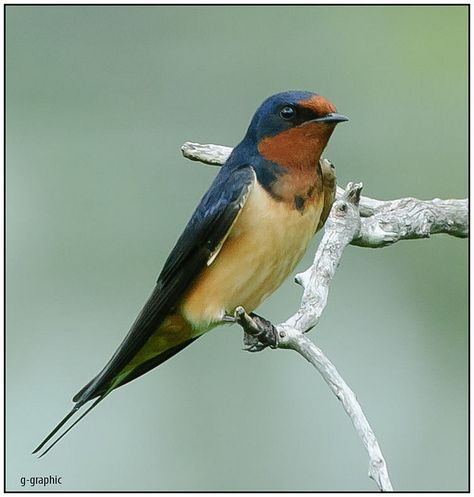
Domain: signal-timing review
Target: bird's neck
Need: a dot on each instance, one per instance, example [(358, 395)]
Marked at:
[(289, 167)]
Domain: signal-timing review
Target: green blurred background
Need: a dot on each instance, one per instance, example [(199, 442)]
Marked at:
[(99, 101)]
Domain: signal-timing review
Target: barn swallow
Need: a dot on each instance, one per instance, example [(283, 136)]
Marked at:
[(245, 237)]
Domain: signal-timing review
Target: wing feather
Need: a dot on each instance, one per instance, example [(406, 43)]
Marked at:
[(199, 243)]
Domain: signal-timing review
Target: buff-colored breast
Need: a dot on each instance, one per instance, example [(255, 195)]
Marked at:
[(265, 244)]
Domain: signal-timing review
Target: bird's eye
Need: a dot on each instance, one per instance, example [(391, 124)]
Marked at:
[(288, 112)]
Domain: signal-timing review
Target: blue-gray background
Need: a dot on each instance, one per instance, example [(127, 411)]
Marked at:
[(99, 101)]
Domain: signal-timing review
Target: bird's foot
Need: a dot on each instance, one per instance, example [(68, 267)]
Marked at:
[(259, 333), (252, 343)]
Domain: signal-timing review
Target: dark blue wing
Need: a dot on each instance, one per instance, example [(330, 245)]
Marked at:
[(206, 229)]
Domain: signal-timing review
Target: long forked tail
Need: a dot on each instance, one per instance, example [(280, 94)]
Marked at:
[(63, 422), (98, 389)]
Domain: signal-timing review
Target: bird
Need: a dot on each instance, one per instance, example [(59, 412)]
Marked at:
[(247, 234)]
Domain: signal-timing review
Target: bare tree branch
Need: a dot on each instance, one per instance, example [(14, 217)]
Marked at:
[(410, 218), (354, 220)]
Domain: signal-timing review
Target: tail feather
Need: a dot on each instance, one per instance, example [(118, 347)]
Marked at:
[(58, 427), (99, 389), (143, 368), (82, 390)]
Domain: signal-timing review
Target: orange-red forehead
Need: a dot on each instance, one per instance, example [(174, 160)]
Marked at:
[(318, 104)]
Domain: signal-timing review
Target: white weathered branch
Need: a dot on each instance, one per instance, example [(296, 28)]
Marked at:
[(353, 220), (410, 218)]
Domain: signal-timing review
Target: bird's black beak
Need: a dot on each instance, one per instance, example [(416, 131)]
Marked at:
[(333, 118)]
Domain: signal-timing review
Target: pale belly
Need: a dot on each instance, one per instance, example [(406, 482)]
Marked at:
[(262, 249)]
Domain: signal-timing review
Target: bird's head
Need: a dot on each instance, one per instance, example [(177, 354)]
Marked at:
[(309, 112), (292, 129)]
